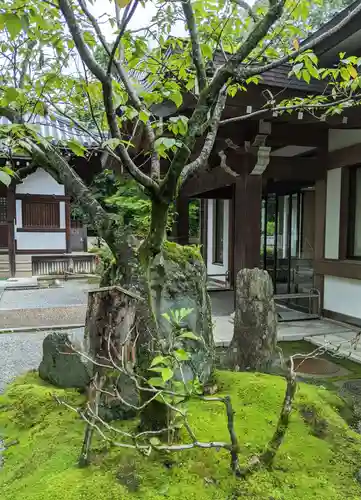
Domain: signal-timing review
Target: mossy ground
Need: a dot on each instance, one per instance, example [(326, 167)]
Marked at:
[(310, 464)]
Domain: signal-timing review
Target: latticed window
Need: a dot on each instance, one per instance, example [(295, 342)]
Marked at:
[(3, 210), (41, 214)]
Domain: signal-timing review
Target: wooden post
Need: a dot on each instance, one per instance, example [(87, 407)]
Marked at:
[(11, 214), (247, 222), (67, 226), (320, 223)]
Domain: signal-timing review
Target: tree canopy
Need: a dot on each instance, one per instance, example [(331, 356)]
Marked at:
[(150, 101)]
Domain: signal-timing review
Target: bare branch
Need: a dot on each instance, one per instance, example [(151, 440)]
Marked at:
[(196, 49)]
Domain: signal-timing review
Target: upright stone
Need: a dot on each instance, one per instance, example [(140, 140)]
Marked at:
[(62, 364), (255, 323)]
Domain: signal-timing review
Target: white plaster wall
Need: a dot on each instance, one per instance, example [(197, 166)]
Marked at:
[(38, 240), (62, 215), (19, 213), (333, 203), (41, 241), (342, 138), (40, 182), (218, 268), (342, 295)]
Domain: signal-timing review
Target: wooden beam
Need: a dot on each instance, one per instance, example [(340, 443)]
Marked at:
[(340, 269), (207, 181), (282, 134), (345, 157)]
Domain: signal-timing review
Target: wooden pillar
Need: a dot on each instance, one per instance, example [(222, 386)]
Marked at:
[(182, 221), (320, 224), (247, 222), (67, 226), (11, 215)]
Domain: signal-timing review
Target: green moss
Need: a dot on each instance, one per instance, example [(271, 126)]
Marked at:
[(181, 254), (43, 465)]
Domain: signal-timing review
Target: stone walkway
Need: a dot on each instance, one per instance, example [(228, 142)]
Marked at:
[(336, 336)]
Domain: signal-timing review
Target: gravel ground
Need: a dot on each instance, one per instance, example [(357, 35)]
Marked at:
[(19, 353), (73, 293), (46, 316)]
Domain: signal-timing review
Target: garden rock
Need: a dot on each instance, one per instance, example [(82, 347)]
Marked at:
[(61, 365), (185, 287)]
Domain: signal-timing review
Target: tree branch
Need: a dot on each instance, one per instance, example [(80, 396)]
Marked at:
[(209, 96), (132, 94), (244, 5), (196, 49), (127, 17), (106, 81), (256, 70), (202, 159), (25, 63), (81, 46), (47, 157)]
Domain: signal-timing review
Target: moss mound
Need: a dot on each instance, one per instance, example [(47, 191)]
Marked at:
[(42, 465)]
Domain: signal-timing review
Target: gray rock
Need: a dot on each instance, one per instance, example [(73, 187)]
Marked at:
[(185, 287), (255, 322), (114, 409), (61, 365)]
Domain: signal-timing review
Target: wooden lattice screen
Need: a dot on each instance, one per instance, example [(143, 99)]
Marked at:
[(41, 214)]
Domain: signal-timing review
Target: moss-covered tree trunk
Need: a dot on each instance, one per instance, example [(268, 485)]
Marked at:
[(167, 277)]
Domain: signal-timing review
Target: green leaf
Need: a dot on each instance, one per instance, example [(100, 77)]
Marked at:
[(11, 94), (156, 382), (207, 50), (297, 69), (77, 148), (112, 143), (167, 374), (306, 76), (181, 355), (13, 24), (177, 98), (189, 335), (158, 360), (143, 116), (5, 178)]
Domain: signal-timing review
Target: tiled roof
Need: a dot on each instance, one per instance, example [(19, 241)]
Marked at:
[(59, 129)]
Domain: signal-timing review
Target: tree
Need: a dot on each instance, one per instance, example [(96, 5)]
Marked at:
[(47, 68)]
